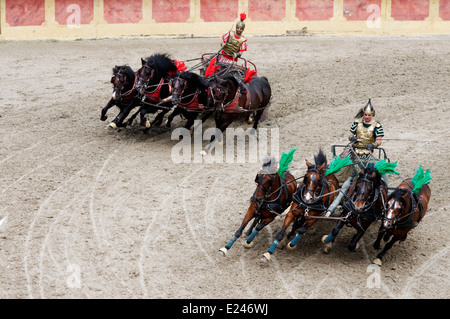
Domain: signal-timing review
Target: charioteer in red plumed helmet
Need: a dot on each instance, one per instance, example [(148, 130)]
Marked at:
[(233, 43)]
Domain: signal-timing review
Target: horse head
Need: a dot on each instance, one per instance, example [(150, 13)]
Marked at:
[(222, 90), (313, 182), (145, 74), (265, 180), (122, 81), (178, 85), (395, 207), (367, 184)]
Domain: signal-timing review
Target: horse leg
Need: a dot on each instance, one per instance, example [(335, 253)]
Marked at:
[(110, 104), (222, 126), (381, 234), (388, 246), (172, 115), (118, 121), (354, 242), (353, 245), (144, 121), (249, 242), (281, 234), (329, 239), (159, 118), (248, 216), (306, 224), (256, 118), (131, 119)]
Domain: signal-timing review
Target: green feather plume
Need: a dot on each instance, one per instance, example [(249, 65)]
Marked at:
[(421, 178), (384, 167), (285, 160), (337, 164)]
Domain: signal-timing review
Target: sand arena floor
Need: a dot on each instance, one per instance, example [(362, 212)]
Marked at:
[(98, 214)]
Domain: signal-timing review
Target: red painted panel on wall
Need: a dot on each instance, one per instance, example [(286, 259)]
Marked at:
[(74, 11), (219, 10), (25, 12), (411, 10), (171, 10), (357, 10), (122, 11), (266, 10), (314, 10), (444, 9)]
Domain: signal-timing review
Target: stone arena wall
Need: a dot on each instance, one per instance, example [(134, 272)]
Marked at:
[(91, 19)]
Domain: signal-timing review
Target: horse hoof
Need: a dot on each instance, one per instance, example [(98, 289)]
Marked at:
[(289, 247), (247, 245), (282, 244), (112, 125), (147, 124), (224, 251), (327, 248), (266, 257), (377, 261)]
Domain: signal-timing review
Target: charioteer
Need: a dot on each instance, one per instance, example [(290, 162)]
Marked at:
[(233, 42)]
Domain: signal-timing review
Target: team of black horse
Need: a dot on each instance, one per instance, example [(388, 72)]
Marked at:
[(162, 86)]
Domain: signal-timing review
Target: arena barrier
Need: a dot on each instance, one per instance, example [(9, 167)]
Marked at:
[(93, 19)]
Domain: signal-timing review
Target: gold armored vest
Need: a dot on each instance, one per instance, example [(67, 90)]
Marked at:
[(366, 135), (233, 45)]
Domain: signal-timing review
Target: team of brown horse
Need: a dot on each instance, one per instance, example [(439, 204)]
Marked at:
[(366, 201), (163, 84)]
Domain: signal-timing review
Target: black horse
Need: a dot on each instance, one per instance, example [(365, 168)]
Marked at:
[(124, 93), (233, 100), (152, 85), (190, 96)]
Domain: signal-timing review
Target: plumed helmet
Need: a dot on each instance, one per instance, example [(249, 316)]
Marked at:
[(369, 108), (240, 24)]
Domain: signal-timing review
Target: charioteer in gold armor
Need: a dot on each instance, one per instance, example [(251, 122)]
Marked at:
[(234, 43), (365, 131), (366, 134)]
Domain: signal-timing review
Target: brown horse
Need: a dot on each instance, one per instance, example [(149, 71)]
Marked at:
[(364, 204), (233, 100), (405, 210), (272, 197), (315, 193)]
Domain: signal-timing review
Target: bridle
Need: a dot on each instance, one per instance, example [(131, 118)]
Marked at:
[(259, 187), (142, 80), (367, 211)]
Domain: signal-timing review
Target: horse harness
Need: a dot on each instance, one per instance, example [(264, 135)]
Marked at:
[(367, 212), (233, 105), (274, 205), (193, 104), (407, 221), (127, 96), (317, 205)]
